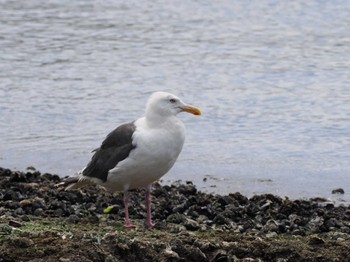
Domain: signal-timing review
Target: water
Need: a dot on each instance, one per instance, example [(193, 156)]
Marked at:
[(271, 77)]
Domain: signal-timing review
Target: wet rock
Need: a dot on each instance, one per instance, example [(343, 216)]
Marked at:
[(187, 189), (226, 200), (271, 235), (242, 200), (270, 226), (14, 223), (38, 212), (22, 242), (176, 218), (206, 246), (220, 255), (73, 219), (5, 229), (5, 172), (111, 258), (10, 204), (221, 219), (58, 212), (169, 255), (18, 177), (25, 218), (193, 254), (338, 191), (11, 195), (180, 208), (202, 219), (316, 241), (191, 224), (31, 168), (19, 211), (177, 228)]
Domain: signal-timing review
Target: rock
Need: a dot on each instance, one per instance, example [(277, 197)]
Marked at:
[(191, 224), (202, 219), (31, 168), (5, 230), (338, 191), (169, 255), (270, 226), (21, 242), (177, 228), (111, 258), (19, 211), (62, 259), (220, 255), (73, 219), (25, 218), (11, 195), (271, 234), (220, 219), (58, 212), (207, 246), (18, 177), (176, 218), (316, 241), (14, 223), (38, 212)]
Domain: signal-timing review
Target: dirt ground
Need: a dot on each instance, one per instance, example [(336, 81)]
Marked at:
[(40, 221)]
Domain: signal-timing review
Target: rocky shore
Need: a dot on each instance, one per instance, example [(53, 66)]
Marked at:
[(40, 221)]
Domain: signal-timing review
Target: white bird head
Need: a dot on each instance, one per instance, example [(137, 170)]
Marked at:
[(165, 104)]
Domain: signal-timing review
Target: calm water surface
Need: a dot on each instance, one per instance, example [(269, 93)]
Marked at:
[(272, 79)]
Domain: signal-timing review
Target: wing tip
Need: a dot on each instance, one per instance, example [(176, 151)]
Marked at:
[(71, 183)]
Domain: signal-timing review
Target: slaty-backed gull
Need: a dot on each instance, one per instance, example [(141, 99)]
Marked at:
[(136, 154)]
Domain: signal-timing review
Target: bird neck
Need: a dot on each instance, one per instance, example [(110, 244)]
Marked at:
[(154, 120)]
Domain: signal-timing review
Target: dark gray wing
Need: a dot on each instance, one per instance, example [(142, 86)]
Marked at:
[(115, 148)]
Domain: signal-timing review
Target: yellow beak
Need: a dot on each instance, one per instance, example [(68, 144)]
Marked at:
[(191, 109)]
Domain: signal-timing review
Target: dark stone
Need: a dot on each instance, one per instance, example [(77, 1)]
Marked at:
[(11, 195), (191, 224), (338, 191), (176, 218), (58, 212), (14, 223), (73, 219), (19, 211), (220, 219), (38, 212), (316, 241), (22, 242)]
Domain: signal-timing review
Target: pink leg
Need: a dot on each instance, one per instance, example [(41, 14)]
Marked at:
[(127, 222), (148, 207)]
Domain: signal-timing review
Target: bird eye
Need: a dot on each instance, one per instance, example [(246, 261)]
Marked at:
[(172, 100)]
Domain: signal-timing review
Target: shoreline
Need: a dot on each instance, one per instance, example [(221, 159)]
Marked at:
[(42, 222)]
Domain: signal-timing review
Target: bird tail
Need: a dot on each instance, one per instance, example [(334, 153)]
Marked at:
[(75, 182)]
